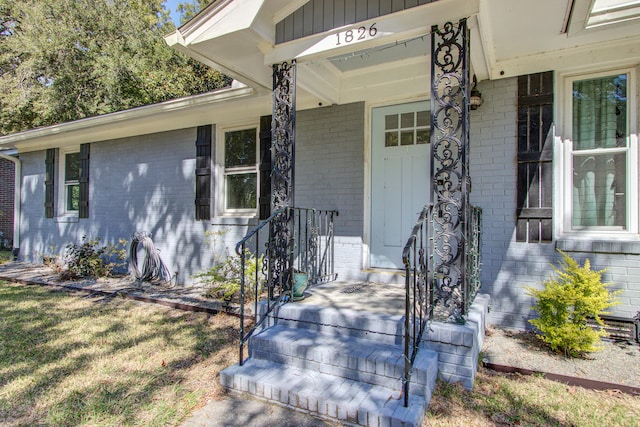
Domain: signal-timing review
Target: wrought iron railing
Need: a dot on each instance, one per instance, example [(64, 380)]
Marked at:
[(417, 257), (291, 240), (474, 244), (423, 287)]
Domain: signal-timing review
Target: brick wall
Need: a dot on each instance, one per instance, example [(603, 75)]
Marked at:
[(507, 265), (330, 175), (7, 185), (146, 183)]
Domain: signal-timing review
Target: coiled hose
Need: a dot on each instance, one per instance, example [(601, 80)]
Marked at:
[(153, 269)]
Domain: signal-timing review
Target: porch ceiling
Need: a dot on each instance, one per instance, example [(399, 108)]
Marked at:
[(508, 38)]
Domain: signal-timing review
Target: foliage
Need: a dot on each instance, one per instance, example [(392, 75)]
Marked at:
[(63, 60), (89, 259), (223, 278), (565, 304)]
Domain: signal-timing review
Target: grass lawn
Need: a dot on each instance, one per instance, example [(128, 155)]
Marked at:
[(71, 359), (512, 399)]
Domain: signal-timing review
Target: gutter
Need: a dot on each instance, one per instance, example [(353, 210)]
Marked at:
[(16, 202)]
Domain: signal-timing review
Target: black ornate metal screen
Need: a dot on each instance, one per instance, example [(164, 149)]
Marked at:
[(449, 166), (280, 260)]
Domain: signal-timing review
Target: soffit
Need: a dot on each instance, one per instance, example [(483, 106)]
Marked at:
[(508, 38)]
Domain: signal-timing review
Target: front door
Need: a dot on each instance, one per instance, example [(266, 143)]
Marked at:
[(399, 178)]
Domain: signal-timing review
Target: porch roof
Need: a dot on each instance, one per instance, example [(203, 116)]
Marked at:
[(507, 39)]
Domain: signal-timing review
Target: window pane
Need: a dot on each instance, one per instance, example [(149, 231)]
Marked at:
[(423, 136), (241, 191), (391, 139), (391, 121), (240, 148), (73, 197), (71, 166), (424, 118), (406, 137), (406, 120), (600, 113), (599, 185)]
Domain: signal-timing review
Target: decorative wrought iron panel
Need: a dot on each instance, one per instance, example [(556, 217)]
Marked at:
[(449, 166), (279, 261)]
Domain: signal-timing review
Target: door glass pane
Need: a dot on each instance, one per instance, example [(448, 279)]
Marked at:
[(391, 121), (600, 113), (599, 186), (391, 139), (241, 191), (240, 148), (423, 118), (407, 120), (406, 137), (423, 136)]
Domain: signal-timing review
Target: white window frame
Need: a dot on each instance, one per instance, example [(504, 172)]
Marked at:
[(566, 165), (62, 184), (220, 172)]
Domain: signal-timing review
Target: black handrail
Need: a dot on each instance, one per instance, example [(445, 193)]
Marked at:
[(416, 258), (298, 240), (421, 284)]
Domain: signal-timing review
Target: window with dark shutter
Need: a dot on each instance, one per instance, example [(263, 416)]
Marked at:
[(83, 181), (49, 184), (265, 167), (203, 172), (535, 155)]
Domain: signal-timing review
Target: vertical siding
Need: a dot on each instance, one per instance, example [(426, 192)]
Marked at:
[(318, 16)]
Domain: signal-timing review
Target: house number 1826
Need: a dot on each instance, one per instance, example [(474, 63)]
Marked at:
[(356, 34)]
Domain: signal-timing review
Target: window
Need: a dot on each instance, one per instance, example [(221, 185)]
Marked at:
[(68, 198), (601, 160), (71, 182), (241, 171), (407, 128)]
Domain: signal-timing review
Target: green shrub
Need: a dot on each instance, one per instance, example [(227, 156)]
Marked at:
[(223, 279), (89, 259), (565, 304)]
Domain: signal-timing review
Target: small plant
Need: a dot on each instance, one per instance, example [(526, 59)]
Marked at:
[(89, 259), (565, 304), (223, 279)]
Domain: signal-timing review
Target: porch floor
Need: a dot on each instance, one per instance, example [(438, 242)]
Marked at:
[(376, 297)]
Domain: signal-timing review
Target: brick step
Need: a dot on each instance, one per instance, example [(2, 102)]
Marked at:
[(324, 395), (379, 327), (346, 357)]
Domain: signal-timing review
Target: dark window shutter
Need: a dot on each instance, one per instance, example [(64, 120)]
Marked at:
[(83, 180), (203, 172), (49, 182), (535, 155), (264, 201)]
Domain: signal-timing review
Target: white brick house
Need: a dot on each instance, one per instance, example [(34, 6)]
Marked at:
[(553, 149)]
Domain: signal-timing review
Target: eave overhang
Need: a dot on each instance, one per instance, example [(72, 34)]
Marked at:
[(179, 113)]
